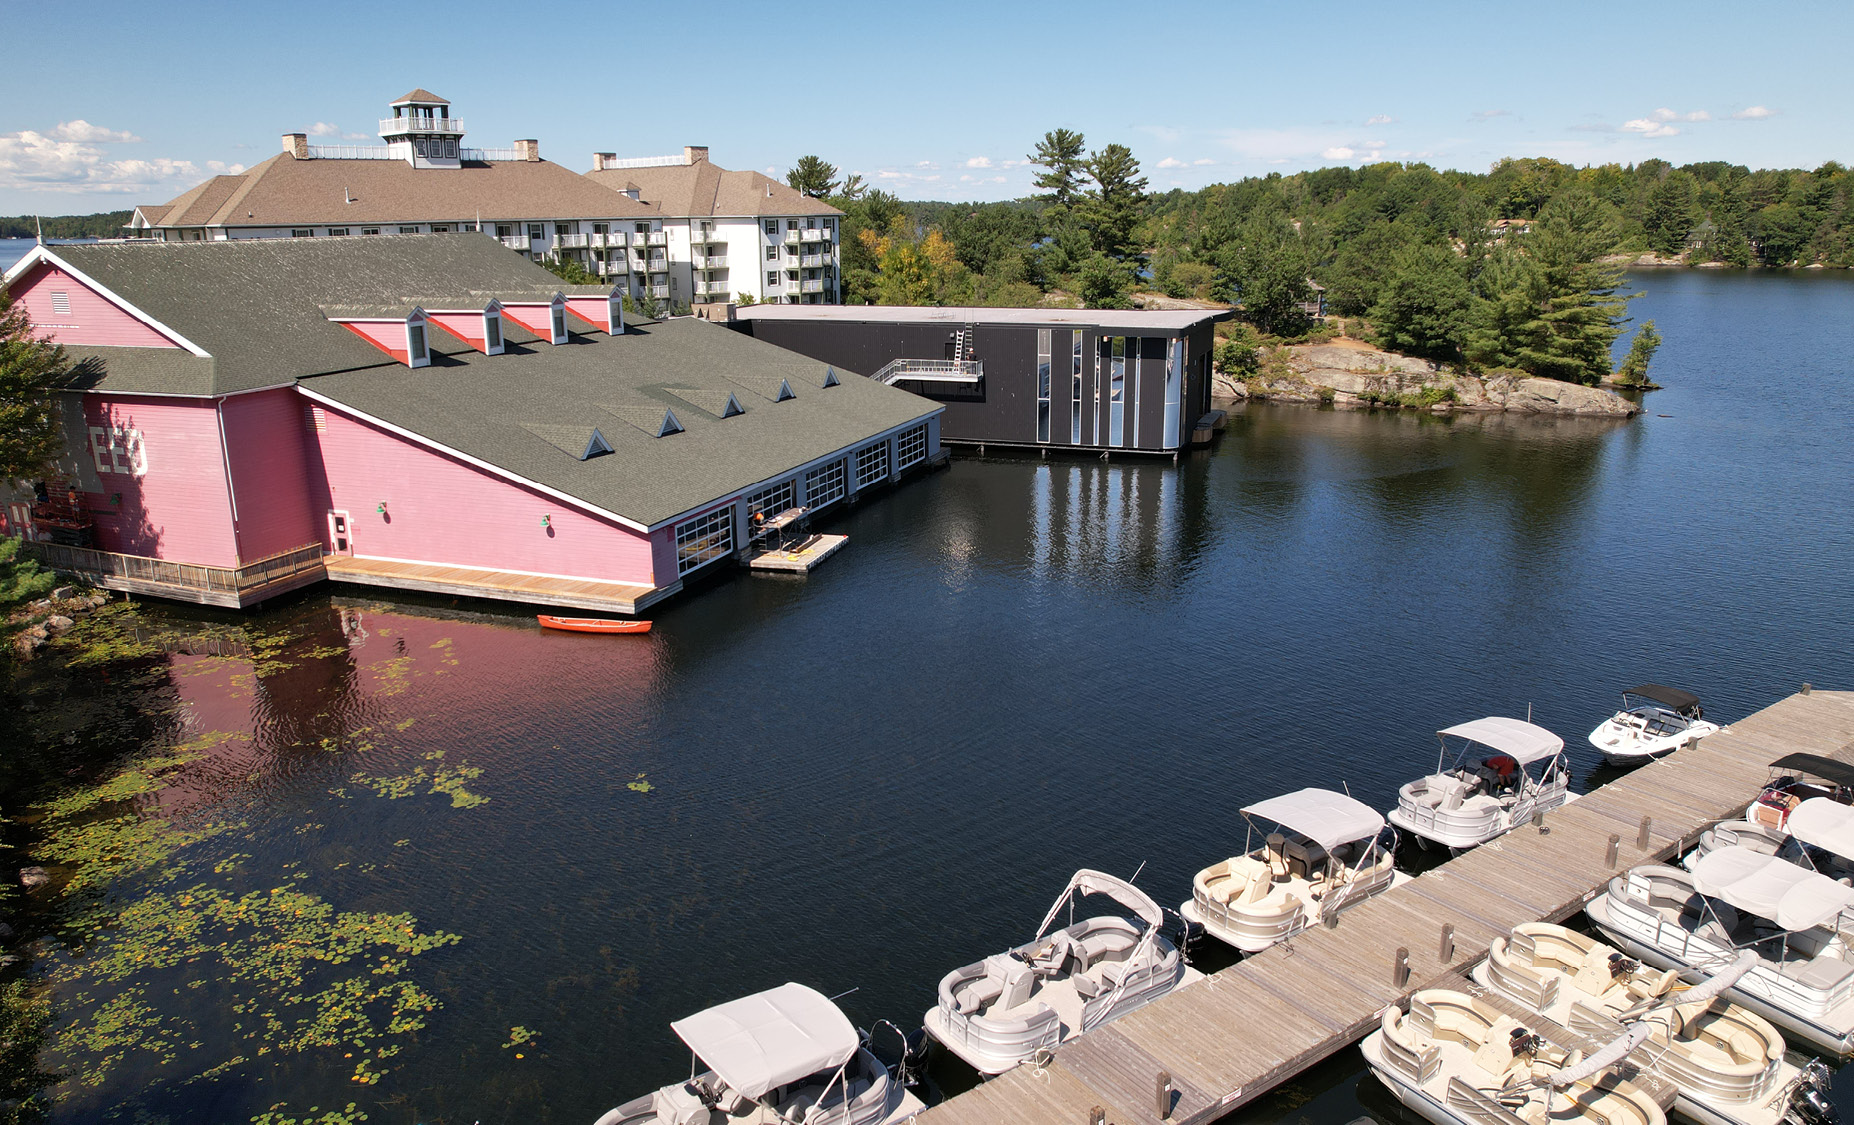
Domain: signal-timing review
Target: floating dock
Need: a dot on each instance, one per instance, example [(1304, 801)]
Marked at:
[(1236, 1034), (801, 557)]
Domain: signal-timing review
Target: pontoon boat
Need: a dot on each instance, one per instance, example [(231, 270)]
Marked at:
[(1457, 1060), (1817, 834), (1725, 1060), (1654, 720), (1330, 852), (784, 1055), (1002, 1011), (1505, 770), (1734, 899)]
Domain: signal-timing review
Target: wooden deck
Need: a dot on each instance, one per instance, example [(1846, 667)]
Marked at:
[(807, 551), (1232, 1036), (463, 581)]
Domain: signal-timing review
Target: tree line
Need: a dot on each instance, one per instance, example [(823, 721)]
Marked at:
[(106, 224)]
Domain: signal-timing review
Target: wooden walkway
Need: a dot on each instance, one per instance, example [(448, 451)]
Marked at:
[(1229, 1038), (611, 597)]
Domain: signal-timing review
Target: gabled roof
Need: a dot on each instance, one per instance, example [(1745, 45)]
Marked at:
[(419, 95), (284, 191), (705, 189)]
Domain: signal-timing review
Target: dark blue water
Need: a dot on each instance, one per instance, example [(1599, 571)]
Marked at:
[(1016, 668)]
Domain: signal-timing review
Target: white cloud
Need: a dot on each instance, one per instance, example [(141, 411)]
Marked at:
[(1665, 114), (1485, 114), (1014, 164), (1754, 113), (965, 179), (1337, 152), (926, 164), (1649, 128), (1203, 162), (324, 129), (34, 161), (1374, 144), (1169, 162), (1380, 119), (979, 162), (83, 131), (356, 137), (1698, 115)]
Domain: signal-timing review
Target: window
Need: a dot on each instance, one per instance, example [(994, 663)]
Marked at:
[(772, 228), (911, 447), (440, 228), (492, 333), (61, 303), (1174, 393), (1043, 343), (772, 253), (370, 230), (1075, 390), (504, 230), (704, 539), (791, 224), (824, 485), (772, 278), (871, 464), (643, 228), (466, 227), (337, 232), (415, 345), (413, 229), (302, 234), (1117, 392), (601, 228), (534, 232), (563, 228), (772, 500)]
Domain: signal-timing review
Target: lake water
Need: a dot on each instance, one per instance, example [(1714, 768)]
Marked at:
[(1017, 667)]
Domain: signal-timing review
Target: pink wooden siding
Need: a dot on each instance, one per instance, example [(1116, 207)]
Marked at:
[(92, 319), (266, 439), (538, 319), (387, 335), (162, 479), (596, 311), (443, 510), (467, 327)]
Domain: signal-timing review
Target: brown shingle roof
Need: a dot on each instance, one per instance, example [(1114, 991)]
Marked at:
[(420, 95), (285, 191), (709, 189), (152, 212)]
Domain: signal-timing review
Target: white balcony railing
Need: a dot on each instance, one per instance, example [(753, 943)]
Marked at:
[(699, 236), (791, 236), (449, 126), (572, 241), (931, 371), (709, 261), (639, 262), (813, 261), (712, 288), (657, 238), (514, 241), (613, 267), (812, 287), (659, 291)]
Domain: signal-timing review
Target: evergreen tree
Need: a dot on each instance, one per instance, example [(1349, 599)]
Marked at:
[(1105, 283), (1670, 214), (1267, 269), (32, 369), (1111, 208), (1634, 369), (813, 177), (1059, 154), (1423, 309)]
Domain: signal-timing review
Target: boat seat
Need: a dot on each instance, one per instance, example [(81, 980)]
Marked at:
[(1652, 984), (1085, 987), (1019, 979), (1107, 945), (972, 996), (1822, 974), (679, 1105)]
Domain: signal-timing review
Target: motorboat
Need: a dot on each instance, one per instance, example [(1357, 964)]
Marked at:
[(1326, 852), (1817, 834), (1654, 720), (1795, 778), (1004, 1010), (776, 1057), (1726, 1061), (1456, 1059), (1504, 771), (1736, 899)]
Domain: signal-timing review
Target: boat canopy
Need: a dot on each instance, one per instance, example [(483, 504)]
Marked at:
[(1824, 823), (761, 1042), (1768, 886), (1525, 742), (1090, 882), (1814, 765), (1666, 696), (1321, 815)]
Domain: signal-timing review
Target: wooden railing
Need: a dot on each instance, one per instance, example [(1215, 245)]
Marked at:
[(103, 565)]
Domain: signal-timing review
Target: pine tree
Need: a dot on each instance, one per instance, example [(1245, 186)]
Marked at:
[(812, 176), (1059, 154), (32, 369), (1111, 208), (1634, 369), (1549, 307), (1423, 309)]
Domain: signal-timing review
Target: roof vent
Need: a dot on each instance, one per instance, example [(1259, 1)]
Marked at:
[(582, 443), (657, 421), (830, 377), (784, 392), (732, 408)]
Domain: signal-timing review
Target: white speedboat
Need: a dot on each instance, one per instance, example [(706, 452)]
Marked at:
[(1795, 778), (1504, 771), (1002, 1011), (1654, 720), (1329, 852), (1734, 899), (784, 1055), (1726, 1061), (1817, 834), (1457, 1060)]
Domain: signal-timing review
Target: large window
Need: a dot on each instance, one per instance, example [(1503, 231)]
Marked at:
[(1117, 392), (1043, 337), (1075, 389), (824, 485), (704, 539), (1174, 392), (772, 500), (871, 464), (911, 447)]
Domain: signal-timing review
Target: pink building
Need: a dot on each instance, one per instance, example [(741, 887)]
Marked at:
[(429, 413)]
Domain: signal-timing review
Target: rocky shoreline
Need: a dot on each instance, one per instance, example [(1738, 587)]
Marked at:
[(39, 621), (1356, 376)]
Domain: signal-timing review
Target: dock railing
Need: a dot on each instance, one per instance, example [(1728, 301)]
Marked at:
[(101, 566)]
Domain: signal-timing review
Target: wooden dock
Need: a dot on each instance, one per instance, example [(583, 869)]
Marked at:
[(801, 557), (469, 582), (1231, 1037)]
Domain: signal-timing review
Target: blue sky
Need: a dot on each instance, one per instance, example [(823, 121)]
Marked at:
[(114, 104)]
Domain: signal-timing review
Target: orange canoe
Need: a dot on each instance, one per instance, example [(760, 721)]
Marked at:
[(591, 624)]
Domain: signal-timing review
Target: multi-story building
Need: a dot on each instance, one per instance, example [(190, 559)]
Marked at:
[(727, 235)]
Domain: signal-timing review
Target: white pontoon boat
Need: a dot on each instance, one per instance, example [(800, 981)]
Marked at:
[(1654, 720), (1734, 899), (1457, 1060), (1002, 1011), (1505, 770), (1725, 1060), (784, 1055), (1329, 853), (1817, 834)]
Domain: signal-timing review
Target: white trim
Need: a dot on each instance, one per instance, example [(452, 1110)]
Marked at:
[(42, 253), (516, 478), (497, 569)]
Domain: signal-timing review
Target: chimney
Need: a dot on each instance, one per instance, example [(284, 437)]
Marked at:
[(297, 145), (600, 159), (695, 154), (529, 150)]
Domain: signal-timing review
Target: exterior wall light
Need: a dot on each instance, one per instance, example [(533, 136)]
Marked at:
[(381, 509), (547, 521)]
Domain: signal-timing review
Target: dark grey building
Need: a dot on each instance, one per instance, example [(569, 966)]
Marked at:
[(1093, 379)]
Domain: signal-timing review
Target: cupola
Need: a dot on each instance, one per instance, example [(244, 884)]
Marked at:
[(423, 131)]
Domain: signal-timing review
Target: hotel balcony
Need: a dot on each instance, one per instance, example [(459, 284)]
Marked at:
[(813, 261), (699, 237), (514, 241), (708, 261), (654, 238), (397, 126), (659, 291), (712, 288), (791, 237), (613, 267), (812, 287), (573, 241)]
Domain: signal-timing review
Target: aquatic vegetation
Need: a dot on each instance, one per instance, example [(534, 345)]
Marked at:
[(276, 1115), (448, 780), (520, 1036), (640, 785)]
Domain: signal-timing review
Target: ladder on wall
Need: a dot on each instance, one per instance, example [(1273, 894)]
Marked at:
[(962, 342)]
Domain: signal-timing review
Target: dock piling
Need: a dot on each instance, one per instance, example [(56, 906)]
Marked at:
[(1538, 820), (1400, 968), (1615, 845), (1641, 838), (1097, 1116), (1445, 949), (1162, 1104)]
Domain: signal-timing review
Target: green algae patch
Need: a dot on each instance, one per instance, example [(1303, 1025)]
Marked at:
[(281, 1114), (428, 781), (640, 785)]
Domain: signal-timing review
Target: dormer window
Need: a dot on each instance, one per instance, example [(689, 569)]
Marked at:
[(595, 446), (732, 408), (830, 377), (670, 424), (559, 322), (492, 333), (784, 392), (417, 352)]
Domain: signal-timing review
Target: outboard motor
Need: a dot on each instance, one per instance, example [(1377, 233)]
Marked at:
[(1810, 1103), (910, 1065)]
